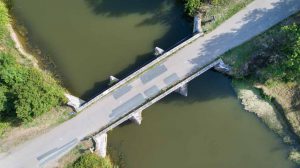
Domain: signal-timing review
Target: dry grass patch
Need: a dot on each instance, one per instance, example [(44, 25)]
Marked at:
[(15, 135)]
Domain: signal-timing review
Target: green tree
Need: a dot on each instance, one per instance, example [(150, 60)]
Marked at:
[(192, 6), (32, 93), (292, 49), (3, 99)]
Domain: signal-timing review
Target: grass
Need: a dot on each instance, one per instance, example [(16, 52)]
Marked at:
[(13, 135), (222, 12)]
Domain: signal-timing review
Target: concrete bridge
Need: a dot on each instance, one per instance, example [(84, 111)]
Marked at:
[(170, 72)]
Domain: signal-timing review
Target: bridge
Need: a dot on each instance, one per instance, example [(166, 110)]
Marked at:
[(170, 71)]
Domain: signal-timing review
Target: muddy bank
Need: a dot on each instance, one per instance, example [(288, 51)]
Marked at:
[(21, 49)]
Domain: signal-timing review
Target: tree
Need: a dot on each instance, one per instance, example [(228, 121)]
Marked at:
[(3, 99), (31, 92), (292, 49), (192, 6)]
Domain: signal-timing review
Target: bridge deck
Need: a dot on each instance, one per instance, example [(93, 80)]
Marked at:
[(255, 18)]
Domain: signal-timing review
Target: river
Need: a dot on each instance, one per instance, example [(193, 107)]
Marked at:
[(89, 40)]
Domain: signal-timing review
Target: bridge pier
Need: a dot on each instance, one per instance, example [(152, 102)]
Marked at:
[(137, 117), (100, 144), (183, 90), (197, 25), (74, 101), (158, 51), (113, 80), (222, 67)]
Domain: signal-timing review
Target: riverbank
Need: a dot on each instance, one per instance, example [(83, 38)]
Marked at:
[(30, 82), (14, 132), (265, 89)]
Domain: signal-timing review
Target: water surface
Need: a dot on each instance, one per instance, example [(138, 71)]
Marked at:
[(91, 39)]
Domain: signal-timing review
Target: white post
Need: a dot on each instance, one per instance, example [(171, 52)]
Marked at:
[(183, 90), (197, 25), (101, 144), (158, 51), (113, 80), (73, 101), (137, 117)]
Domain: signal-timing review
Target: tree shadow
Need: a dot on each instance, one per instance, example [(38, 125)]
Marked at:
[(178, 29), (254, 23), (116, 8), (166, 12), (101, 86), (296, 100)]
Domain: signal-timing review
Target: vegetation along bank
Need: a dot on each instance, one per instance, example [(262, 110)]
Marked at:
[(27, 93), (266, 77), (265, 70)]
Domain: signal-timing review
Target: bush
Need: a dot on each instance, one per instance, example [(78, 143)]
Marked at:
[(91, 160), (3, 98), (192, 6), (288, 68), (292, 49), (28, 92)]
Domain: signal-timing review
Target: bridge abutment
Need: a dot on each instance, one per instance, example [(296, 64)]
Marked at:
[(137, 117), (197, 25), (74, 101), (100, 144), (223, 68), (183, 90)]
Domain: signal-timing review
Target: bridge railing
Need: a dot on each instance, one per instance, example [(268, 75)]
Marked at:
[(140, 71), (163, 94)]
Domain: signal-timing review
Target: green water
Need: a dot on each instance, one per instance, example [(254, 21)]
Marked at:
[(89, 40)]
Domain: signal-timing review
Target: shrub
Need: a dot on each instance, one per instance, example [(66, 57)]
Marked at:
[(91, 160), (292, 49), (287, 69), (3, 127), (192, 6), (3, 99), (31, 93)]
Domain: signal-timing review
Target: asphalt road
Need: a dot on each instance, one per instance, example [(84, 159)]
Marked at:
[(249, 22)]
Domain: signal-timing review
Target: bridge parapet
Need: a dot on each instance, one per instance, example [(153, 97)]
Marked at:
[(140, 71), (159, 97)]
